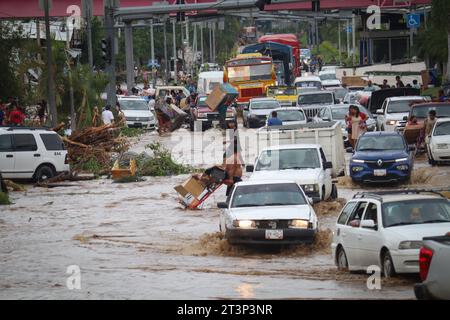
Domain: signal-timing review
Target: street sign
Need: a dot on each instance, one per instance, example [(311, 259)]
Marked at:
[(349, 29), (413, 20)]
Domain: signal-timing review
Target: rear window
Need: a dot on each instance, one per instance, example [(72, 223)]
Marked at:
[(24, 142), (52, 142), (5, 143)]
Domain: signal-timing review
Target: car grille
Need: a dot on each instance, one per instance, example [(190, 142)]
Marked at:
[(384, 165), (272, 224), (212, 116), (251, 92), (143, 119), (311, 112)]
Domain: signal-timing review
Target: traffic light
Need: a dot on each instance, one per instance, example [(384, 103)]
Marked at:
[(180, 15), (261, 3), (106, 50), (315, 6)]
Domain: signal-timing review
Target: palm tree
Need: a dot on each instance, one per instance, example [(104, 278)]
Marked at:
[(440, 15)]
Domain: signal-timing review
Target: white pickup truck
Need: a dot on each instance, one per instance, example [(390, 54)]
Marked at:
[(305, 164), (311, 155)]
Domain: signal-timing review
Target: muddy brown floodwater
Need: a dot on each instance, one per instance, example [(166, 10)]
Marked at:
[(135, 241)]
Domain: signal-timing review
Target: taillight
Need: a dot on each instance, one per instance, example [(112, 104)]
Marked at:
[(425, 262)]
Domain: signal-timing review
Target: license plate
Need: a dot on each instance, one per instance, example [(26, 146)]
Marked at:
[(274, 234), (215, 123), (379, 172), (138, 124)]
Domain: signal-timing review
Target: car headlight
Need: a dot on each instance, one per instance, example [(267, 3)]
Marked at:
[(410, 245), (244, 224), (401, 159), (300, 224), (392, 122), (357, 161), (310, 187), (357, 169), (403, 167), (441, 146)]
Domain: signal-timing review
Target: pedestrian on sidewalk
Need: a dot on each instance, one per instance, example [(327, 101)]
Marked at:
[(398, 82)]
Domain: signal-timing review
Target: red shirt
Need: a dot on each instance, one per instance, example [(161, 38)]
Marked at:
[(16, 117)]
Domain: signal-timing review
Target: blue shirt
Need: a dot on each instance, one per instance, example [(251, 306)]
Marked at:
[(274, 122)]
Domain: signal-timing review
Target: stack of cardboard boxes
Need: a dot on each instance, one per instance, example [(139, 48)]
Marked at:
[(221, 94)]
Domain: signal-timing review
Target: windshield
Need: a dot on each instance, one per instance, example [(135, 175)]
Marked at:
[(339, 113), (415, 212), (422, 111), (212, 85), (309, 84), (380, 143), (321, 98), (259, 105), (399, 106), (442, 129), (260, 70), (283, 194), (133, 105), (282, 92), (327, 76), (273, 160), (290, 115)]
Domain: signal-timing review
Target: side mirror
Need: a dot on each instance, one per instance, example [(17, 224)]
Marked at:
[(250, 168), (405, 118), (328, 165), (349, 150), (222, 205), (369, 224), (379, 111), (310, 200)]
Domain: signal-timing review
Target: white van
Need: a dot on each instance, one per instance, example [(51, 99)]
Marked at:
[(31, 153), (208, 80)]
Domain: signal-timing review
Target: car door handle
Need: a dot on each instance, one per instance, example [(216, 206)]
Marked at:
[(9, 156), (37, 155)]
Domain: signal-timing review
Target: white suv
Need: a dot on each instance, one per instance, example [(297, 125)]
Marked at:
[(394, 110), (386, 229), (28, 153)]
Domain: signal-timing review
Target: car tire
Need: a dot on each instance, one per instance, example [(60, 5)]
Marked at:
[(431, 161), (341, 259), (388, 265), (44, 173), (334, 192)]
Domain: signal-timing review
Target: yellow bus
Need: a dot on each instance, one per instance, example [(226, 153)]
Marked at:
[(250, 74)]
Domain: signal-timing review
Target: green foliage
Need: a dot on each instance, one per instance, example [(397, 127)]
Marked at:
[(131, 132), (160, 164), (91, 166), (4, 199)]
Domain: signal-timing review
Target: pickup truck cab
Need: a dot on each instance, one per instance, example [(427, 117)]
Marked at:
[(305, 164), (206, 116), (393, 111), (258, 110), (312, 102)]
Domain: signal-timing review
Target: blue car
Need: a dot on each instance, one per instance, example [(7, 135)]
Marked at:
[(381, 157)]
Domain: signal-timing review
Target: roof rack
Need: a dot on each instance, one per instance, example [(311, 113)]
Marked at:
[(9, 128), (379, 194)]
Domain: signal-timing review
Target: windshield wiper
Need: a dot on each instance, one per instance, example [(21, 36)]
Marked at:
[(436, 221), (248, 205), (298, 168), (370, 149), (400, 224), (275, 204)]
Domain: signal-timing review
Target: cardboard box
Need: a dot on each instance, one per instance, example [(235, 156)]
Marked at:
[(191, 186), (354, 81), (221, 94)]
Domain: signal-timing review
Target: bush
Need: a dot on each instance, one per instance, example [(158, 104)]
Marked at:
[(92, 166), (4, 199), (160, 164), (131, 132)]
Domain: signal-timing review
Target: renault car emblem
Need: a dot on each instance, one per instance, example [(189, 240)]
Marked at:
[(380, 162)]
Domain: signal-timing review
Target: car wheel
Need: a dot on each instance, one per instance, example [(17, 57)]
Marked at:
[(341, 260), (431, 161), (44, 173), (334, 192), (388, 265), (323, 193)]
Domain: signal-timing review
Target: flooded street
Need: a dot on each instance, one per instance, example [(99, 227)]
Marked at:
[(135, 241)]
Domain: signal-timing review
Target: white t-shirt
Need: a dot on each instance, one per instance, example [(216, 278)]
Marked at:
[(107, 117)]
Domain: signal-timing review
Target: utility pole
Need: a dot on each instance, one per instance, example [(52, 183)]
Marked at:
[(166, 65), (73, 121), (87, 9), (50, 80), (354, 38), (210, 42), (201, 40), (348, 37), (111, 63), (339, 41), (174, 30), (152, 46), (214, 41), (128, 32)]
